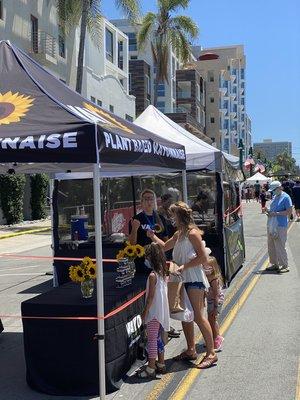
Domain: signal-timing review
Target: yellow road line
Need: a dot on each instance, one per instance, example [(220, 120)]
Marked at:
[(187, 382), (9, 235), (298, 382)]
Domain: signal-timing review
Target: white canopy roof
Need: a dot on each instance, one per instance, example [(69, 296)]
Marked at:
[(258, 177), (199, 155)]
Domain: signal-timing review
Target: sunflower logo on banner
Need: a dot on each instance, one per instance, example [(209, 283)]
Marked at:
[(13, 106)]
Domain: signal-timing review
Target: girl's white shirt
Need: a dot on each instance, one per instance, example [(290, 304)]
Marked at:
[(160, 305), (184, 252)]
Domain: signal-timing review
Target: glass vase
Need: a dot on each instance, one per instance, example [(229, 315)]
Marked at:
[(87, 288), (131, 263)]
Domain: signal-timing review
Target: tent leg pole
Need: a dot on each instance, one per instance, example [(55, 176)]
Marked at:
[(184, 186), (100, 291), (51, 189)]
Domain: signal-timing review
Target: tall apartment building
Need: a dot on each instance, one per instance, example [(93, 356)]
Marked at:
[(270, 149), (34, 27), (142, 73), (226, 119)]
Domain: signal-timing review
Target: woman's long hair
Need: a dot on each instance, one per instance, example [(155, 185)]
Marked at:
[(184, 216), (157, 259)]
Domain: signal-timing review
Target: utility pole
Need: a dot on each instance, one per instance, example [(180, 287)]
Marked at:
[(241, 151)]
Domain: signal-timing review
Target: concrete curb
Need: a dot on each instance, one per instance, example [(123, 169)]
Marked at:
[(9, 235)]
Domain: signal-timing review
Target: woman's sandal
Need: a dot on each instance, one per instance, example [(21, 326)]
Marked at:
[(207, 362), (143, 373), (184, 356)]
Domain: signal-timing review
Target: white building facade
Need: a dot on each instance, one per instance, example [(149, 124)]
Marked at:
[(227, 122), (166, 92), (33, 26)]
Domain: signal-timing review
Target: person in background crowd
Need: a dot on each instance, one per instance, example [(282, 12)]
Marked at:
[(156, 311), (215, 298), (190, 254), (287, 186), (247, 194), (147, 219), (296, 198), (257, 189), (201, 203), (281, 208), (263, 200), (164, 210)]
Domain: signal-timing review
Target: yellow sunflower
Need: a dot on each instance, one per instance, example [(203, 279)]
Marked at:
[(120, 254), (76, 273), (130, 251), (13, 107), (109, 118), (140, 251), (91, 271)]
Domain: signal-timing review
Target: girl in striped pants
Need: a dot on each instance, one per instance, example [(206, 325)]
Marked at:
[(156, 312)]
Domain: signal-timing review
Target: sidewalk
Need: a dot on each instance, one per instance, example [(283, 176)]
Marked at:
[(25, 227)]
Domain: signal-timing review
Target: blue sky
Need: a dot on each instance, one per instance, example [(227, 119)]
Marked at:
[(270, 32)]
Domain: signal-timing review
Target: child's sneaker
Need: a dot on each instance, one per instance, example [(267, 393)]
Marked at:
[(218, 342)]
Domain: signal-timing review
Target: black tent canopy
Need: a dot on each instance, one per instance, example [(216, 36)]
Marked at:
[(45, 126), (44, 121)]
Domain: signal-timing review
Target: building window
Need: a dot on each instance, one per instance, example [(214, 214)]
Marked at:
[(93, 99), (111, 108), (99, 103), (212, 99), (198, 92), (160, 90), (133, 57), (242, 73), (212, 120), (128, 118), (109, 44), (34, 34), (198, 114), (210, 75), (1, 10), (120, 54), (148, 87), (160, 105), (132, 41), (61, 42), (203, 118), (184, 89)]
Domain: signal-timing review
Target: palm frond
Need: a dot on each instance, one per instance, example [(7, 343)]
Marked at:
[(95, 28), (146, 29), (174, 5), (69, 13), (131, 8), (186, 25)]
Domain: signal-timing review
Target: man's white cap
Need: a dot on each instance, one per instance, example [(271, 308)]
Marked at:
[(274, 185)]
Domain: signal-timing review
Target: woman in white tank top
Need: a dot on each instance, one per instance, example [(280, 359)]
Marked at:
[(189, 253)]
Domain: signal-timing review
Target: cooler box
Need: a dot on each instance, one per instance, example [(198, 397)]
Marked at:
[(79, 227)]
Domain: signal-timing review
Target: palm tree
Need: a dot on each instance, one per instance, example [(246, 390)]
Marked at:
[(71, 12), (164, 29)]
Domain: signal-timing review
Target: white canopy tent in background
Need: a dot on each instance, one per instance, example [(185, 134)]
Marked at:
[(257, 177)]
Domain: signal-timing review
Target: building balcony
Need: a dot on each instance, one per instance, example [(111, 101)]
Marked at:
[(233, 114), (188, 122), (223, 90), (223, 110), (43, 47)]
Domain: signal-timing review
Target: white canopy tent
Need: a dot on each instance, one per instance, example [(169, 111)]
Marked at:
[(257, 177), (199, 155)]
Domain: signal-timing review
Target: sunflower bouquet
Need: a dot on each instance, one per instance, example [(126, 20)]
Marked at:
[(131, 251), (84, 271)]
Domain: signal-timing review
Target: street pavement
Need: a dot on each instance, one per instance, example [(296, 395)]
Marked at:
[(261, 349)]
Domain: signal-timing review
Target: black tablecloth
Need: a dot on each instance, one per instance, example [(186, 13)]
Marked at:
[(61, 355)]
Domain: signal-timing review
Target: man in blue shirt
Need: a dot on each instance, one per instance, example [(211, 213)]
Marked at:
[(281, 209)]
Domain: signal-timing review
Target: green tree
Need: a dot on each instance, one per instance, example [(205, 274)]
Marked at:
[(12, 196), (38, 200), (163, 29), (284, 163), (88, 14)]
